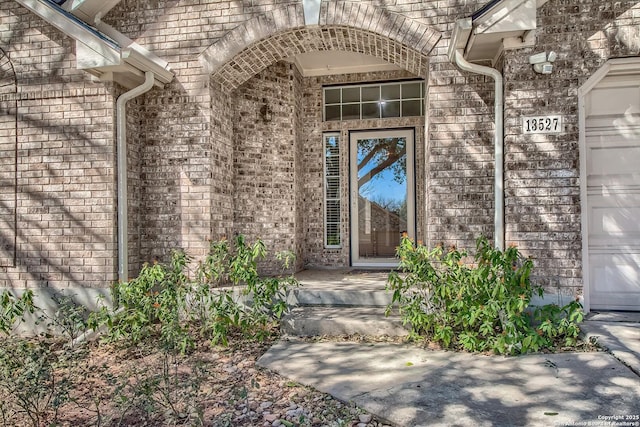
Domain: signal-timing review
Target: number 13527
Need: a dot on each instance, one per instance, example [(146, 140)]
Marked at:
[(542, 124)]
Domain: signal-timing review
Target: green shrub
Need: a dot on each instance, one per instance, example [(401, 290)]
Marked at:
[(231, 295), (148, 305), (228, 295), (33, 381), (13, 309), (479, 307)]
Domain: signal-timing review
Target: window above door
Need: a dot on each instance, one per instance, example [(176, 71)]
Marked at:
[(374, 101)]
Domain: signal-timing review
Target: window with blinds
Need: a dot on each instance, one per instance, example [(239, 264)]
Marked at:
[(332, 190)]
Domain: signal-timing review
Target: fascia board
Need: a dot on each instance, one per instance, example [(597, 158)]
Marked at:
[(87, 57), (94, 51), (461, 32), (68, 26), (508, 15), (89, 8), (141, 61)]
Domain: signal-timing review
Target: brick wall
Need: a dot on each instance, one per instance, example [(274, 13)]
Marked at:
[(65, 161), (222, 142), (188, 140), (8, 161), (135, 185), (266, 158), (542, 205)]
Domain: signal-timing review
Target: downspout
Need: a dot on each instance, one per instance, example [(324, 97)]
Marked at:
[(121, 165), (498, 141)]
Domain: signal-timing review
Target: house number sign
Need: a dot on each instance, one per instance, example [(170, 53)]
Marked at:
[(542, 124)]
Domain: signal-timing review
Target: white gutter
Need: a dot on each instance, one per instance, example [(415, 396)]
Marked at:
[(101, 49), (462, 32), (121, 164), (75, 30)]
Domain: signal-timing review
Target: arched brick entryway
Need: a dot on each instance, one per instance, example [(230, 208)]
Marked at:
[(343, 26), (271, 170)]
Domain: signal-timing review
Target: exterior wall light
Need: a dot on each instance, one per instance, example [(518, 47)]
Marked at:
[(543, 62), (266, 114)]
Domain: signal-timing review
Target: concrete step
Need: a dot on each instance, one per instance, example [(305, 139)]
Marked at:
[(335, 321), (339, 297)]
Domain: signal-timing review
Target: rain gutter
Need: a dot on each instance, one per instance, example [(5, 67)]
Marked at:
[(121, 135), (461, 34), (106, 49)]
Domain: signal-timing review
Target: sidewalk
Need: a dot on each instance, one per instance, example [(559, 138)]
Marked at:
[(409, 386), (618, 333)]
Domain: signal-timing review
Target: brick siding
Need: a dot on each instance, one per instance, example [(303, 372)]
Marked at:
[(203, 165)]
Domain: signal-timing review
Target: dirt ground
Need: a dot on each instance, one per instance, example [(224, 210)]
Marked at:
[(213, 386)]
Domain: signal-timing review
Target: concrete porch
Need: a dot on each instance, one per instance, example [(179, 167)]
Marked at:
[(341, 302)]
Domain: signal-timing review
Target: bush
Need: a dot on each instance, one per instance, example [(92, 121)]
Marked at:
[(479, 307), (33, 381), (13, 309), (228, 295)]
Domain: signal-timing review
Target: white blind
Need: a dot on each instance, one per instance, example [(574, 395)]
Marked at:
[(332, 190)]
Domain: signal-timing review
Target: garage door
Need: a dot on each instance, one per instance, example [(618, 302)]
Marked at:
[(612, 151)]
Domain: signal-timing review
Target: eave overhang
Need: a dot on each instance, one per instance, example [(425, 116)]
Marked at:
[(110, 57), (499, 25)]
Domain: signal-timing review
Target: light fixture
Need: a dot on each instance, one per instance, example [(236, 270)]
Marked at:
[(543, 62), (266, 114)]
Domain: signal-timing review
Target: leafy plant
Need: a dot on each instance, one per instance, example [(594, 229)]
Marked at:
[(233, 295), (69, 319), (12, 309), (32, 381), (228, 295), (478, 307), (151, 303)]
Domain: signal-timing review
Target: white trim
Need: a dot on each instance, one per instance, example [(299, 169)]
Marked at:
[(409, 134), (73, 29), (104, 52), (618, 66), (582, 153)]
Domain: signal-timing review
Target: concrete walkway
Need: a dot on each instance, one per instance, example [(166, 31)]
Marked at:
[(409, 386), (618, 333)]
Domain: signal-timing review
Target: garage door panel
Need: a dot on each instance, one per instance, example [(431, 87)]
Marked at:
[(614, 224), (621, 100), (615, 281), (616, 161), (614, 217)]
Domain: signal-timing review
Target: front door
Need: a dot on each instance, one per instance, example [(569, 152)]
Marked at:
[(382, 195)]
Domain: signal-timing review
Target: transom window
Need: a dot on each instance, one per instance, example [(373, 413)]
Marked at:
[(374, 101)]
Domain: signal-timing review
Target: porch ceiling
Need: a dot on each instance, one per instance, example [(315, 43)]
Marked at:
[(324, 63)]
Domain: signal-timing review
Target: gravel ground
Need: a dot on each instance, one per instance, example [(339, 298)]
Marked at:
[(213, 386)]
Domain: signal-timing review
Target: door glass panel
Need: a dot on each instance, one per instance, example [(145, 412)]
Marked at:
[(332, 112), (351, 112), (411, 90), (382, 196), (411, 108), (332, 96)]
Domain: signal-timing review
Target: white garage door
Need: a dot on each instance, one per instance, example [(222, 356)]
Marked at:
[(612, 149)]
